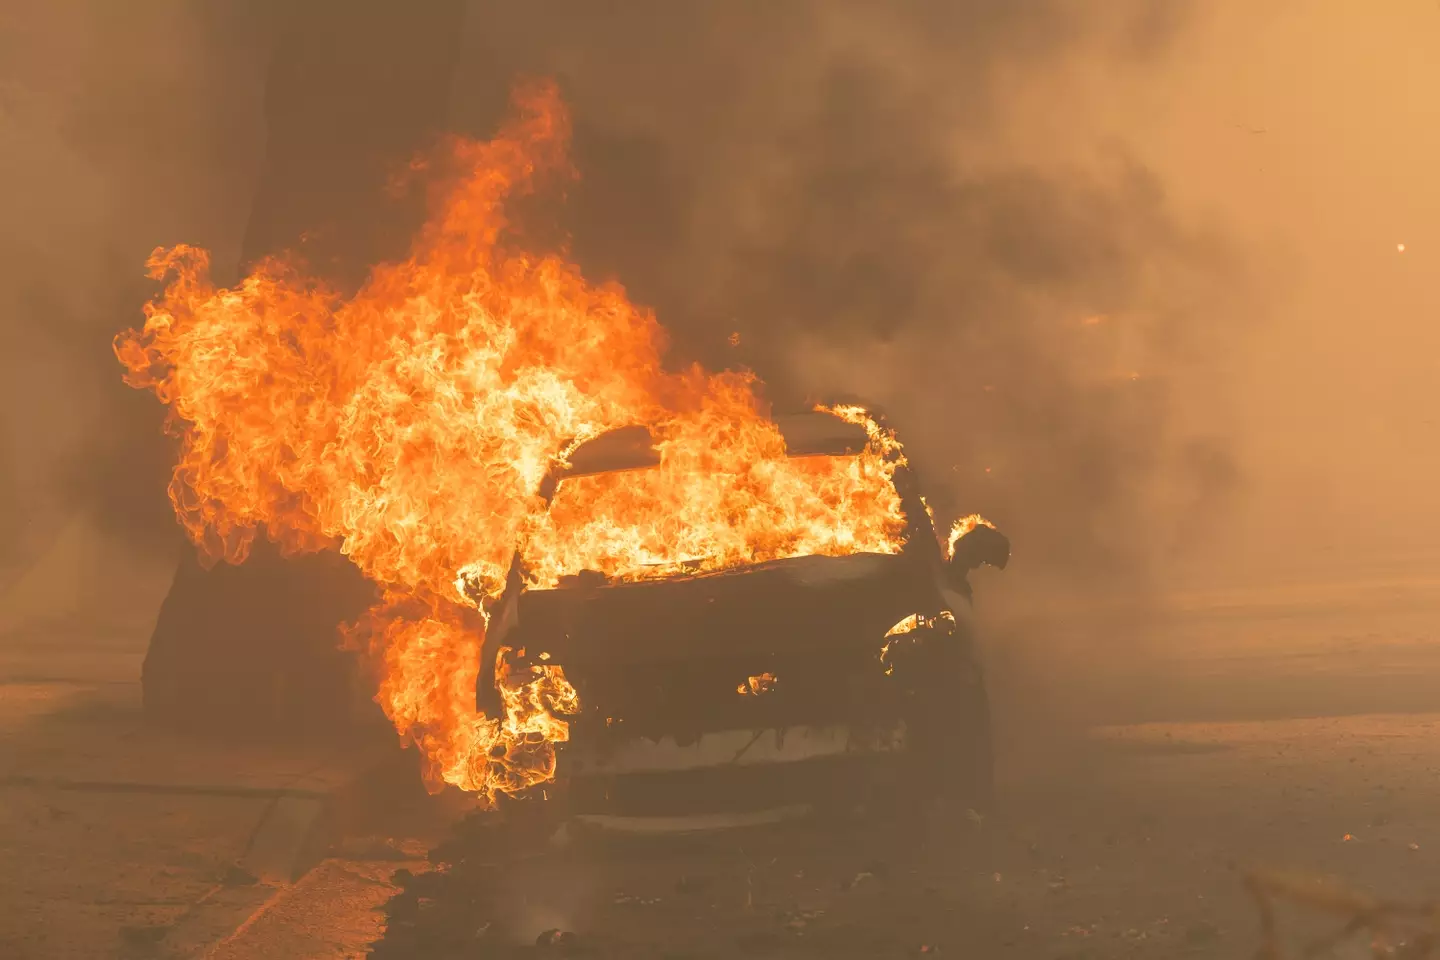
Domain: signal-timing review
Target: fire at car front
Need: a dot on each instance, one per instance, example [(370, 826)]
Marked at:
[(744, 695)]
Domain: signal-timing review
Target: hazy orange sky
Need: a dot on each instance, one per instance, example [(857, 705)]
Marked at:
[(1310, 131), (1307, 133)]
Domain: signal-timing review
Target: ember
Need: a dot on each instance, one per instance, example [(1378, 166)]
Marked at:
[(410, 427), (757, 685)]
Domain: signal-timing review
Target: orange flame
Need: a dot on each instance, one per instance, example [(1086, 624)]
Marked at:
[(410, 426), (723, 495), (961, 527), (758, 684)]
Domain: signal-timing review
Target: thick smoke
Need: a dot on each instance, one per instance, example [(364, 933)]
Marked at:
[(910, 202), (121, 127), (837, 183), (856, 190)]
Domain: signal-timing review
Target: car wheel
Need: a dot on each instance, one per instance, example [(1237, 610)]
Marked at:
[(948, 785)]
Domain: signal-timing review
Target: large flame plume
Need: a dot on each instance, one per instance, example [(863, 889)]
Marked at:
[(410, 426)]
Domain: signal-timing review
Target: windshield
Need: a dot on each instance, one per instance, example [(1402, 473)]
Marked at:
[(628, 510)]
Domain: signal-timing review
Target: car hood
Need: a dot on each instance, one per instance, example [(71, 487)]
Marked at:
[(786, 606)]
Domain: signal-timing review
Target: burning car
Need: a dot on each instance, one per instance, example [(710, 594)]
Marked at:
[(757, 692), (709, 613)]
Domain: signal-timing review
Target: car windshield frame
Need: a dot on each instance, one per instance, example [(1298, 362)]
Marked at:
[(813, 434)]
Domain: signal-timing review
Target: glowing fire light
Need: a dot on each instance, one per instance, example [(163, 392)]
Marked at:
[(410, 425), (909, 625), (963, 526), (723, 495), (904, 629), (756, 685)]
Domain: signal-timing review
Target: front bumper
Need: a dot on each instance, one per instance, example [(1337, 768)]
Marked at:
[(729, 748), (722, 779), (674, 723)]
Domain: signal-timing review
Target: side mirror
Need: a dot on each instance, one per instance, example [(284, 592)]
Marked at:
[(981, 544)]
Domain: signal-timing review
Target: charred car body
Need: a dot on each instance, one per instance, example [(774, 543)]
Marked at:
[(780, 689)]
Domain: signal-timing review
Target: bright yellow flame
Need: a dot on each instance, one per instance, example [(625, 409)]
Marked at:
[(902, 630), (905, 626), (410, 427), (758, 684), (963, 526)]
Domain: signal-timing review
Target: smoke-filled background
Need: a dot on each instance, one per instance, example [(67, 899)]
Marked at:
[(837, 184), (120, 126), (1126, 276)]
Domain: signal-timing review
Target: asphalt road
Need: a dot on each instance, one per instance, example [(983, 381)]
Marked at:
[(1144, 782), (1137, 844), (1133, 803)]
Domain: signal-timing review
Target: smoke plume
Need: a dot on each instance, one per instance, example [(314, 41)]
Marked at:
[(831, 193), (122, 126), (855, 200)]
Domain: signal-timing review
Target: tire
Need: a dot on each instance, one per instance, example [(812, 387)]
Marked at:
[(948, 787)]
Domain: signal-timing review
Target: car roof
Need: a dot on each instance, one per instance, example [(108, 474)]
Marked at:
[(807, 434)]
